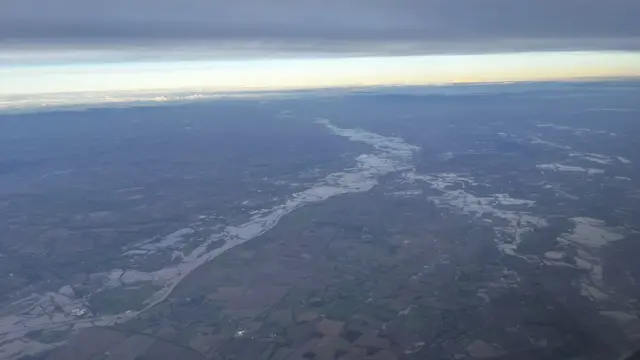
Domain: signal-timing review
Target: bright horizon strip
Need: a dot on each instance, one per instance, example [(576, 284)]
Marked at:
[(305, 73)]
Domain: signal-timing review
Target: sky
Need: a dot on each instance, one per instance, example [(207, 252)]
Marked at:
[(122, 45)]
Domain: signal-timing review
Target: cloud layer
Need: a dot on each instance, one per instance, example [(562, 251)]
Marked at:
[(498, 24)]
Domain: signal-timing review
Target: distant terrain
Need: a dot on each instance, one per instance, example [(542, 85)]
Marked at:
[(457, 222)]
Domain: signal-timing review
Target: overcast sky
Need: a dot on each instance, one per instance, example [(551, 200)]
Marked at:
[(70, 45), (476, 24)]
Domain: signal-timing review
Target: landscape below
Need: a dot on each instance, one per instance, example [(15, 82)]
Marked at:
[(459, 222)]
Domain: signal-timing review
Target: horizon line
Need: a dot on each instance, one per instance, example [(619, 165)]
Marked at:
[(164, 97)]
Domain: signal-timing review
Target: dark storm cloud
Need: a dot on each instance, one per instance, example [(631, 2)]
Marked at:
[(577, 23)]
